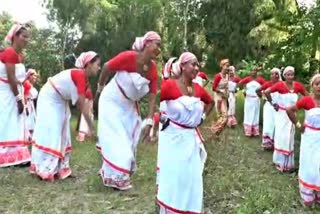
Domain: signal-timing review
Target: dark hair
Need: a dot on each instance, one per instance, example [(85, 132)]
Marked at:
[(69, 61), (20, 30), (94, 59)]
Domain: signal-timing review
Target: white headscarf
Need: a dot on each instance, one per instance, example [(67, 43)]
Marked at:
[(287, 69), (277, 70), (85, 58), (140, 42)]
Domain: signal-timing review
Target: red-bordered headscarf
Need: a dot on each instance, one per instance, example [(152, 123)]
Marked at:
[(85, 58), (140, 42)]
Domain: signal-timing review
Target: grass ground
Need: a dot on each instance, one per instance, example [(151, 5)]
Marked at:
[(239, 178)]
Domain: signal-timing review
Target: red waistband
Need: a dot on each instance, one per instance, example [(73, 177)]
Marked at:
[(311, 127), (122, 91), (4, 80), (182, 125), (55, 88), (282, 108)]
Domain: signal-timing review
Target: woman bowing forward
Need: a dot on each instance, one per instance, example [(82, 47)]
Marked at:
[(52, 138), (119, 120)]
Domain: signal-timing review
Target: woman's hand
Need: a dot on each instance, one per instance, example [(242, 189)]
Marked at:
[(275, 106), (145, 134)]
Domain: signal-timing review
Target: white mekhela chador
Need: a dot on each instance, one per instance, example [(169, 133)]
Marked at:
[(309, 169), (13, 142), (52, 140), (232, 121), (251, 106), (269, 119), (283, 155), (181, 156), (31, 116), (119, 127)]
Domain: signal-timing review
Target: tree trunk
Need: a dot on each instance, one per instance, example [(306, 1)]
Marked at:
[(185, 45)]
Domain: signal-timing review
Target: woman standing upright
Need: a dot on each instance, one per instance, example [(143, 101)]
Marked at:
[(220, 88), (309, 169), (232, 86), (119, 121), (13, 144), (252, 103), (52, 140), (269, 114), (283, 155), (181, 154), (30, 96)]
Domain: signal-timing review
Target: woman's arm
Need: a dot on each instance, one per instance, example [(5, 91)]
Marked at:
[(103, 78), (291, 111), (84, 108), (267, 93), (11, 74), (152, 104), (259, 92)]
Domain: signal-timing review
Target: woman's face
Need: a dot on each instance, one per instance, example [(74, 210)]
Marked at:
[(94, 67), (33, 79), (22, 38), (190, 69), (274, 76), (316, 87), (225, 68), (289, 76), (153, 48)]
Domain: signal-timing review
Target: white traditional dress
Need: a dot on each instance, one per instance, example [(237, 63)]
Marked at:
[(181, 154), (251, 105), (232, 86), (30, 120), (309, 169), (283, 155), (269, 119), (13, 142), (119, 120), (52, 140)]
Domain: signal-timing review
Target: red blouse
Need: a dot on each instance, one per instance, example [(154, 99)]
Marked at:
[(9, 56), (235, 79), (127, 61), (282, 88), (80, 79), (171, 91), (249, 79), (216, 80), (27, 87), (306, 103)]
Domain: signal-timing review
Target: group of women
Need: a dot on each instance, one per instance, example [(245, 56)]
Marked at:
[(280, 121), (184, 105)]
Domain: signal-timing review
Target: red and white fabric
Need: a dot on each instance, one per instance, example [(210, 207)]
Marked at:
[(309, 164), (181, 154), (13, 142), (119, 120), (283, 155), (251, 105), (52, 140)]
